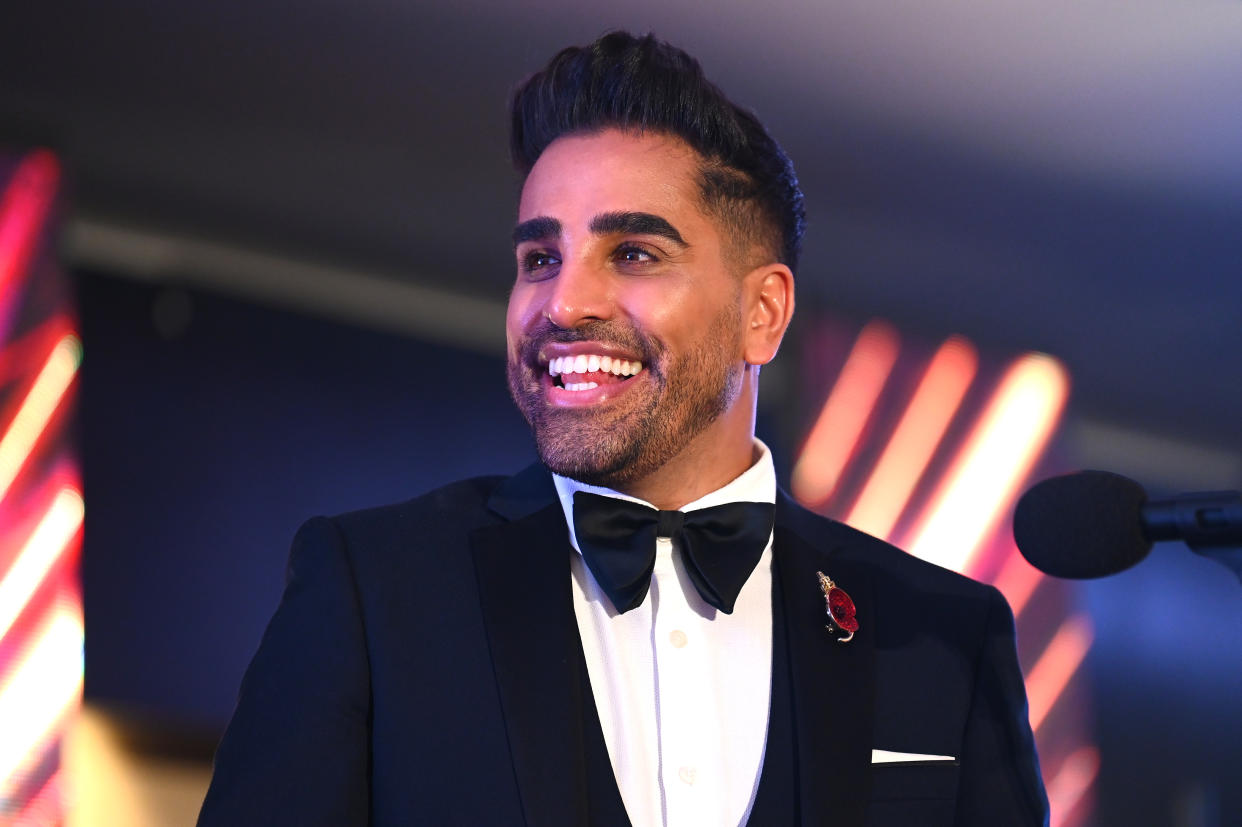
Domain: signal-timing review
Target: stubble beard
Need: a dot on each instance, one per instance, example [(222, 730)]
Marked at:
[(619, 444)]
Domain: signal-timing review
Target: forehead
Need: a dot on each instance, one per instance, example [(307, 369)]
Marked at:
[(584, 174)]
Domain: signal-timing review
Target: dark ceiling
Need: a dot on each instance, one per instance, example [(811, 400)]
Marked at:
[(1065, 177)]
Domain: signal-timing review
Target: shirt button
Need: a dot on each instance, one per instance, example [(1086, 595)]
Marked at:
[(678, 638), (687, 775)]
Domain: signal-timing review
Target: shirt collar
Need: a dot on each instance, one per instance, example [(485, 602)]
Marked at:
[(757, 484)]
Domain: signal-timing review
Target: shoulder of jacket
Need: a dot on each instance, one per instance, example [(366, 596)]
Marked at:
[(462, 503), (881, 556)]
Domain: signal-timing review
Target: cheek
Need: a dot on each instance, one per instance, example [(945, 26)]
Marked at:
[(517, 318), (523, 298), (681, 320), (669, 310)]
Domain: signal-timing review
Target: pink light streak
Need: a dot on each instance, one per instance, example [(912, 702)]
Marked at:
[(1003, 447), (45, 807), (836, 433), (41, 680), (1072, 783), (37, 695), (1056, 666), (39, 556), (36, 410), (922, 427), (1017, 580)]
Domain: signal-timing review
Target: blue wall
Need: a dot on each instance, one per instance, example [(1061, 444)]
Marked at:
[(205, 449)]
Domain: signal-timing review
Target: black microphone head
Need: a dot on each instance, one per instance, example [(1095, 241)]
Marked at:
[(1088, 524)]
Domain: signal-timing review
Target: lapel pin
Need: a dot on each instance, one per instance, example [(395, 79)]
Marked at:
[(841, 609)]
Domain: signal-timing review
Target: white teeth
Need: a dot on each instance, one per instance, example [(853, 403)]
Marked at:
[(580, 386), (583, 363)]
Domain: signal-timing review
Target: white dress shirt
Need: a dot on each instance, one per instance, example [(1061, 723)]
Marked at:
[(682, 690)]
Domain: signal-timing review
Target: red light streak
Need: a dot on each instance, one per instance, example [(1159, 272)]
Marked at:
[(23, 210), (17, 356), (922, 427), (836, 433)]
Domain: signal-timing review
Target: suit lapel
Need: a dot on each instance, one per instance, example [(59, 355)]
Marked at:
[(833, 683), (524, 587)]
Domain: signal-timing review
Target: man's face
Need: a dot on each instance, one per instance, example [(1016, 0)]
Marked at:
[(624, 323)]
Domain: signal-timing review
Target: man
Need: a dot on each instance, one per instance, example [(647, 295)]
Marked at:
[(635, 629)]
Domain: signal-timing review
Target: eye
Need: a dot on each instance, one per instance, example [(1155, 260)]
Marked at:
[(631, 254), (538, 263)]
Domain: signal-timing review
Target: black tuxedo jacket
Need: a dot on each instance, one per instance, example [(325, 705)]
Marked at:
[(415, 672)]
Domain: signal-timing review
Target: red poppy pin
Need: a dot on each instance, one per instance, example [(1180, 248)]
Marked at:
[(841, 609)]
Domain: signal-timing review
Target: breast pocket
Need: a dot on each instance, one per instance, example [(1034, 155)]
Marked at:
[(912, 794)]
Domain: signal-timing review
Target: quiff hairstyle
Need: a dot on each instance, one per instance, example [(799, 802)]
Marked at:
[(643, 84)]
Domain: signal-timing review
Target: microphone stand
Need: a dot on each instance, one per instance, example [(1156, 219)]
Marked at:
[(1210, 523)]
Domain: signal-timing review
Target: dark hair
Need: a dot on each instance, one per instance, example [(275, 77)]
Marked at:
[(645, 84)]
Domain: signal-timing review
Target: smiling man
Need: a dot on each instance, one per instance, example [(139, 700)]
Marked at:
[(641, 628), (636, 326)]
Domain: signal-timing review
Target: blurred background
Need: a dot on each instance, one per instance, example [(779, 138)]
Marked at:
[(253, 266)]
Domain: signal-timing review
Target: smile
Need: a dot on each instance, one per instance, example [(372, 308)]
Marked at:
[(585, 372)]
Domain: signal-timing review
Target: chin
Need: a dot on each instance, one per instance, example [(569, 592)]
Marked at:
[(606, 469)]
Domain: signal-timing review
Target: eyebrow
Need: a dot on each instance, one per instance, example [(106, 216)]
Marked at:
[(536, 229), (609, 223), (635, 223)]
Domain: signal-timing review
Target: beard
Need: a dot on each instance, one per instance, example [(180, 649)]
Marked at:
[(628, 439)]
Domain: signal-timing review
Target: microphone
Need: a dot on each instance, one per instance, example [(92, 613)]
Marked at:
[(1095, 523)]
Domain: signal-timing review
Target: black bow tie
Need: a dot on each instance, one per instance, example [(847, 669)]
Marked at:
[(720, 546)]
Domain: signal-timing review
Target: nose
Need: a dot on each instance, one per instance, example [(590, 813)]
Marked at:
[(580, 293)]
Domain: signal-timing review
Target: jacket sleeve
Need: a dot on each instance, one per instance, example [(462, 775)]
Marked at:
[(297, 750), (1000, 781)]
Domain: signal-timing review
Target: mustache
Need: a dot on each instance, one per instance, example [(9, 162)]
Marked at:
[(616, 335)]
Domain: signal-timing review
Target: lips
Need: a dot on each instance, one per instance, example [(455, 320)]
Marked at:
[(582, 367), (582, 375)]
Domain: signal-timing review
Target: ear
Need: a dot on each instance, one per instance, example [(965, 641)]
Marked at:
[(769, 303)]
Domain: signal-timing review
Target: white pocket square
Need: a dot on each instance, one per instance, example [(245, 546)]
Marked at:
[(883, 756)]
